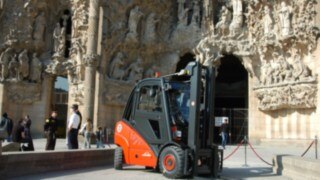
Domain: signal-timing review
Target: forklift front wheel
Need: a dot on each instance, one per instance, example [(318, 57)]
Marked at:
[(171, 162), (118, 158)]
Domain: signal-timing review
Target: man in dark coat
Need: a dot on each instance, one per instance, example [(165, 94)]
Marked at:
[(50, 128)]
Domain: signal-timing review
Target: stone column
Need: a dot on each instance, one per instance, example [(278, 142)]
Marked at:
[(91, 58)]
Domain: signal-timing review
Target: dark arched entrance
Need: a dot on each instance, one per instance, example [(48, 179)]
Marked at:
[(184, 60), (231, 99)]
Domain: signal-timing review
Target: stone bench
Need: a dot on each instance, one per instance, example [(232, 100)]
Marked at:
[(18, 164), (296, 167)]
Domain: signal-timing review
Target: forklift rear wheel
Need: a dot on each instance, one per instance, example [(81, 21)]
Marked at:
[(118, 158), (171, 162)]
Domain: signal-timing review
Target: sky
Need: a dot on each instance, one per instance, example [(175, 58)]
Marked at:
[(61, 83)]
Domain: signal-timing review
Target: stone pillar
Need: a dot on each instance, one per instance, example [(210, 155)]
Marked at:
[(91, 60)]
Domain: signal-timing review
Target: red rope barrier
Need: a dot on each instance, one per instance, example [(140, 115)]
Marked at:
[(234, 151), (305, 152), (258, 155)]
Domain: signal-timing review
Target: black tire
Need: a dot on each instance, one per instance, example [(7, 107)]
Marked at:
[(171, 162), (118, 158)]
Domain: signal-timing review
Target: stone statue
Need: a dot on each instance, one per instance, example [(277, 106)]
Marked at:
[(134, 23), (285, 19), (285, 70), (117, 67), (135, 71), (268, 22), (79, 52), (222, 26), (14, 68), (61, 40), (79, 18), (183, 13), (151, 24), (196, 13), (39, 27), (4, 61), (237, 20), (36, 70), (56, 37), (24, 65)]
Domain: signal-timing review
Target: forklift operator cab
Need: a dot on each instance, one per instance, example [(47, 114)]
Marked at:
[(167, 125)]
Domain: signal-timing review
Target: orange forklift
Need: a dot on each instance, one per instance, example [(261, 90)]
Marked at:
[(168, 125)]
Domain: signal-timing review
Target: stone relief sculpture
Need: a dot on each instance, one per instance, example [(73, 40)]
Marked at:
[(4, 61), (14, 68), (222, 27), (23, 65), (278, 42), (285, 19), (79, 19), (135, 71), (117, 70), (39, 27), (182, 13), (36, 71), (268, 22), (78, 51), (196, 13), (134, 23), (237, 19), (151, 25), (56, 37)]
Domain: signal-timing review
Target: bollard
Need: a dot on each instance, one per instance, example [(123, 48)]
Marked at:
[(316, 146), (0, 147), (245, 152)]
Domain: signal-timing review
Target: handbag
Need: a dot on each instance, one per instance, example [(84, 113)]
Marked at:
[(3, 130)]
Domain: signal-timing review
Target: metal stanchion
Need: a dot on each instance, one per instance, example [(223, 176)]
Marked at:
[(245, 152), (316, 146), (0, 147)]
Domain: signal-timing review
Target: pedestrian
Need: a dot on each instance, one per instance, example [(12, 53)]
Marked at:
[(73, 127), (50, 128), (224, 132), (27, 132), (19, 136), (99, 138), (6, 121), (86, 130)]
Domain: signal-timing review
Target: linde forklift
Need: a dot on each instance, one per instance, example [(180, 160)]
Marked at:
[(168, 125)]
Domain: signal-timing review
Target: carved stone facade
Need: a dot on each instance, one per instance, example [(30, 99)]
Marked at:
[(105, 47)]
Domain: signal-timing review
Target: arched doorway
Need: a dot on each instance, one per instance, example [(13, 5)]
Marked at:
[(231, 98), (60, 103)]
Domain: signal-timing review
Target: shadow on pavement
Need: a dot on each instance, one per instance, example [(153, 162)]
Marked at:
[(243, 173)]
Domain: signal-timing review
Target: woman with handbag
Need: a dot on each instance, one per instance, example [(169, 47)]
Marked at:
[(86, 131)]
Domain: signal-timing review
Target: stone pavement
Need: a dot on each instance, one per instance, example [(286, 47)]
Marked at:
[(233, 167)]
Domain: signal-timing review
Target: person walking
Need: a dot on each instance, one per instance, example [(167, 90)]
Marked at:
[(19, 136), (5, 120), (73, 128), (27, 132), (86, 130), (224, 133), (99, 138), (50, 128)]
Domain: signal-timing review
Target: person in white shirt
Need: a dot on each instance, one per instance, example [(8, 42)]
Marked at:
[(73, 127)]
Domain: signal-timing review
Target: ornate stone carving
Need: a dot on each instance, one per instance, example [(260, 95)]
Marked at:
[(36, 70), (59, 36), (237, 19), (23, 93), (77, 93), (134, 24), (289, 95), (91, 60), (117, 69), (39, 27), (183, 13), (151, 28), (135, 71), (4, 61), (23, 65), (274, 44)]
